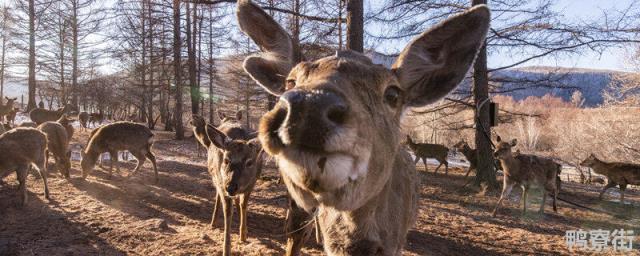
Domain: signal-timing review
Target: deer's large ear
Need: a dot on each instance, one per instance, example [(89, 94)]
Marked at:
[(270, 68), (436, 61), (217, 138)]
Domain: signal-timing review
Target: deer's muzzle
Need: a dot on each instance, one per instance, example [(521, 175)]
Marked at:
[(304, 119)]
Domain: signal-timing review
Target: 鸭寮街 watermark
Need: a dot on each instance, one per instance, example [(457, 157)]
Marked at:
[(600, 240)]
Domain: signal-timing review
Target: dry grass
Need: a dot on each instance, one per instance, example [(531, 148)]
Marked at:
[(126, 217)]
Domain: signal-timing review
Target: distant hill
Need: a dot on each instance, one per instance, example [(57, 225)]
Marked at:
[(540, 80), (561, 82)]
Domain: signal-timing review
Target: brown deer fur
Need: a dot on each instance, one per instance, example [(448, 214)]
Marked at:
[(119, 136), (428, 150), (67, 124), (41, 115), (526, 171), (58, 145), (83, 117), (618, 174), (336, 130), (7, 107), (470, 153), (22, 147), (11, 116), (234, 162)]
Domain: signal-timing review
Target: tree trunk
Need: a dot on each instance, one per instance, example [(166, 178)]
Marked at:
[(211, 65), (31, 102), (177, 71), (486, 173), (74, 54), (2, 65), (355, 25), (150, 119), (191, 39)]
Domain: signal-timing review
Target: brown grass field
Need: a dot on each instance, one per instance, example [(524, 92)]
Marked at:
[(134, 217)]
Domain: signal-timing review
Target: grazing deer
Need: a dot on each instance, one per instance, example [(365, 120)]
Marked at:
[(84, 119), (58, 145), (618, 174), (335, 131), (470, 153), (21, 148), (428, 150), (526, 171), (119, 136), (41, 115), (234, 161), (6, 108)]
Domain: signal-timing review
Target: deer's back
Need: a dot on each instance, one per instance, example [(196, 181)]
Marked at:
[(620, 172), (431, 150), (533, 170), (57, 137), (120, 136), (40, 115), (21, 145)]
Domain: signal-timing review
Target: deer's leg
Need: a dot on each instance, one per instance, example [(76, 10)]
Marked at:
[(416, 160), (525, 191), (216, 207), (227, 209), (623, 187), (544, 199), (152, 158), (41, 164), (244, 199), (426, 168), (22, 172), (609, 185), (555, 198), (113, 156), (140, 156), (297, 233), (318, 231), (506, 190), (446, 167)]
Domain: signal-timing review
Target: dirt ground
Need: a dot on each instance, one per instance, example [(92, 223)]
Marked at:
[(135, 217)]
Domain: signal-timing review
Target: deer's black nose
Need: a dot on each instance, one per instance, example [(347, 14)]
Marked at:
[(309, 117), (232, 189)]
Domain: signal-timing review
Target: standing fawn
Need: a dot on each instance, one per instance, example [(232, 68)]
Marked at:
[(96, 118), (119, 136), (11, 116), (335, 131), (7, 108), (618, 174), (234, 161), (526, 171), (84, 119), (58, 146), (428, 150), (470, 153), (21, 148)]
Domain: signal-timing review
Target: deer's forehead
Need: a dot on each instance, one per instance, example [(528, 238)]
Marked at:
[(503, 145), (341, 71)]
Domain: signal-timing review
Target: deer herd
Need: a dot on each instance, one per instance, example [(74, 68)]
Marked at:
[(335, 134)]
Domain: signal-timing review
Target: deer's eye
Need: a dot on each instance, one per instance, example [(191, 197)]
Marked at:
[(226, 161), (392, 95), (290, 84), (249, 163)]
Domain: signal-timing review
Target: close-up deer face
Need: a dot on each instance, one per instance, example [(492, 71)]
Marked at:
[(233, 160), (503, 149), (336, 128)]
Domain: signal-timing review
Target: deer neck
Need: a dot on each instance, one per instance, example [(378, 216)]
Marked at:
[(511, 165), (373, 229)]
